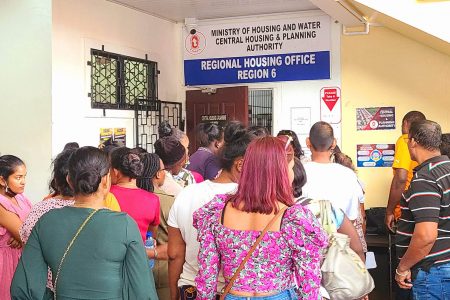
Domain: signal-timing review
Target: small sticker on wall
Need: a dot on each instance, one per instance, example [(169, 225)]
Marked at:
[(330, 105), (110, 135), (375, 118), (375, 155), (106, 134), (120, 136)]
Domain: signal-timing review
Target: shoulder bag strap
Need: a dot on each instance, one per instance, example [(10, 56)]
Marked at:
[(250, 252), (68, 249)]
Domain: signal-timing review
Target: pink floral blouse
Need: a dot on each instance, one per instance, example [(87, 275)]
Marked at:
[(284, 257)]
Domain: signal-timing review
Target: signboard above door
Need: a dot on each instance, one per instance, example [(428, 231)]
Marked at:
[(220, 120), (259, 50)]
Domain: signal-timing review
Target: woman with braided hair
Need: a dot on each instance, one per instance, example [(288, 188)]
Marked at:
[(151, 180)]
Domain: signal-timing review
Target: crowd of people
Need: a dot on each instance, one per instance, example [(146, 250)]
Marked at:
[(235, 220)]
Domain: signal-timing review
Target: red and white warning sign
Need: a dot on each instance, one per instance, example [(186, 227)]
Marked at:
[(330, 105)]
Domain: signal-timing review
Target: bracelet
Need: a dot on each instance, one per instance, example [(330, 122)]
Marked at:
[(400, 274), (155, 253)]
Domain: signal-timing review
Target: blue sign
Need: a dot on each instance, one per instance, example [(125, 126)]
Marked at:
[(263, 68), (375, 155)]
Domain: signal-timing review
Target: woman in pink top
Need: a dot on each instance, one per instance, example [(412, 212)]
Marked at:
[(229, 225), (14, 208), (141, 205)]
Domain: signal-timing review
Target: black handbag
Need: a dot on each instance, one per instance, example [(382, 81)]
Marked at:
[(375, 221)]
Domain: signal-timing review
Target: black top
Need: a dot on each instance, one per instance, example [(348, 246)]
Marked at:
[(427, 200)]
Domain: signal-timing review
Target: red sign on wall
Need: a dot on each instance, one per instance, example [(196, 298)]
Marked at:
[(330, 105)]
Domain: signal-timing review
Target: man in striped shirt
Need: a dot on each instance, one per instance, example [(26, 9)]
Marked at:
[(423, 234)]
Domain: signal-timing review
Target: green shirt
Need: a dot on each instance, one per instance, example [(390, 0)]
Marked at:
[(106, 261)]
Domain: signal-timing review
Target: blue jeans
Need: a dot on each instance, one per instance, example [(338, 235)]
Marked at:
[(432, 285), (284, 295)]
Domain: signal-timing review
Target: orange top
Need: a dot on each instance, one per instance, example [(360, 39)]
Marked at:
[(402, 160)]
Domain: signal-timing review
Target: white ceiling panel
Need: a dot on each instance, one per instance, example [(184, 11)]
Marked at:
[(178, 10)]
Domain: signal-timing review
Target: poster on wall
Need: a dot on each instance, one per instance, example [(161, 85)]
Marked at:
[(259, 50), (375, 155), (375, 118), (106, 134), (330, 105), (120, 136)]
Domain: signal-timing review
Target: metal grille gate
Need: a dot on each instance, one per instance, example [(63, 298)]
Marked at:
[(149, 114), (260, 108)]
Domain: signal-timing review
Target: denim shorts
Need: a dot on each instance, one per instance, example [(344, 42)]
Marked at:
[(432, 285), (284, 295)]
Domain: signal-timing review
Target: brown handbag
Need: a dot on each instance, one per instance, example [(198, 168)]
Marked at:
[(250, 252)]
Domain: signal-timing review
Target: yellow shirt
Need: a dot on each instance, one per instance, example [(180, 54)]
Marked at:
[(111, 202), (402, 160)]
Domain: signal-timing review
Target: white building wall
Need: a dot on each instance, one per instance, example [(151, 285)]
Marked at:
[(25, 88), (79, 25)]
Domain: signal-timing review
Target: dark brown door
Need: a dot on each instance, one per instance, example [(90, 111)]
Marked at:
[(232, 102)]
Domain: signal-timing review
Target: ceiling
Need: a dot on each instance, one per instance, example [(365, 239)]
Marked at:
[(178, 10), (428, 39)]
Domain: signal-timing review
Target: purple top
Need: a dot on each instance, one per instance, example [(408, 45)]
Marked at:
[(204, 162), (284, 257)]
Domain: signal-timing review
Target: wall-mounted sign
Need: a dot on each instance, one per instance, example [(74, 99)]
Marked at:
[(330, 105), (375, 155), (261, 50), (375, 118), (216, 119)]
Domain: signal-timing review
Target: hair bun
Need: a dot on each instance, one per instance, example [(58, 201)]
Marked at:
[(164, 129), (134, 165), (233, 131), (87, 181)]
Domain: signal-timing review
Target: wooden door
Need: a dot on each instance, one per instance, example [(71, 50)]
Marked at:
[(232, 102)]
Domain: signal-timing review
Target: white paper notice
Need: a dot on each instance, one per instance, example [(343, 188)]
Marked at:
[(370, 260), (301, 120)]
